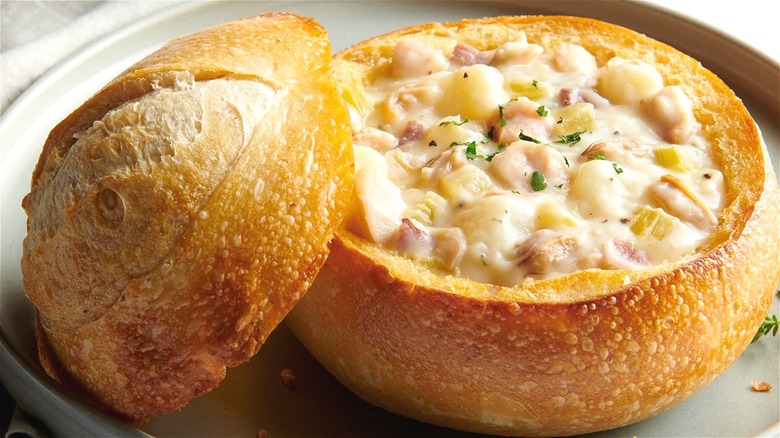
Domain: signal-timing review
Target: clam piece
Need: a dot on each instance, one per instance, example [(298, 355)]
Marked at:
[(679, 200)]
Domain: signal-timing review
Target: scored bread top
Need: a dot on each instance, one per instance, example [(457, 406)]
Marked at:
[(178, 214)]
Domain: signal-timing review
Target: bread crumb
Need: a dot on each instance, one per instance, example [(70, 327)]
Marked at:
[(761, 386), (261, 433), (289, 379)]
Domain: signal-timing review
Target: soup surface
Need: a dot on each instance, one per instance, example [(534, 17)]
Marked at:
[(525, 162)]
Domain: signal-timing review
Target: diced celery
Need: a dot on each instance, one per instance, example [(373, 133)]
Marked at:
[(672, 157), (354, 94), (425, 210), (653, 222)]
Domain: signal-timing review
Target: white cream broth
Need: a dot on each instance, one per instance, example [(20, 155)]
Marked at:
[(521, 163)]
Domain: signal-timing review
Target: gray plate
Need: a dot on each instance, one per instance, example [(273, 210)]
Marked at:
[(252, 397)]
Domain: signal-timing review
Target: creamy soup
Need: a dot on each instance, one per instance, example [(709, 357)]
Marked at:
[(522, 162)]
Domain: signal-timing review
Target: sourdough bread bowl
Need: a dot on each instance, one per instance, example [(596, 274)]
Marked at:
[(179, 213), (547, 355)]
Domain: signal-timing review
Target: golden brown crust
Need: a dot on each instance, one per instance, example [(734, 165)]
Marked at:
[(177, 216), (587, 351)]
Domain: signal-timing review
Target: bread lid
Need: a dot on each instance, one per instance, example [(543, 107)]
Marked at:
[(178, 215)]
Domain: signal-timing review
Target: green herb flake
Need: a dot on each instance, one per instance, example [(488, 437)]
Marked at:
[(502, 120), (770, 324), (542, 111), (432, 143), (599, 157), (537, 181), (535, 83), (453, 122), (560, 120), (471, 150), (522, 136), (571, 139)]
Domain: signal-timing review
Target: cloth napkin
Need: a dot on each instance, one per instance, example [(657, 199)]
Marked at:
[(36, 35)]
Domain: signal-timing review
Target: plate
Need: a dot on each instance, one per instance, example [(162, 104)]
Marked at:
[(252, 397)]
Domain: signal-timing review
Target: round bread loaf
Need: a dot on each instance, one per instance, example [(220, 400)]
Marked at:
[(584, 351), (179, 213)]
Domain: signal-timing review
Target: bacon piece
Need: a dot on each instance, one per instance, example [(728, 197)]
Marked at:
[(414, 131), (413, 240), (465, 54), (568, 96), (621, 254)]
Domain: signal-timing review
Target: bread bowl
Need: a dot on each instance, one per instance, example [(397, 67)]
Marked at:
[(552, 351), (171, 226)]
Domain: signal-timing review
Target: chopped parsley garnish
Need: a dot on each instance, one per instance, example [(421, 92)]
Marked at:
[(537, 181), (599, 157), (560, 120), (542, 111), (571, 139), (432, 143), (453, 122), (522, 136), (770, 324), (535, 83), (471, 150), (502, 120)]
